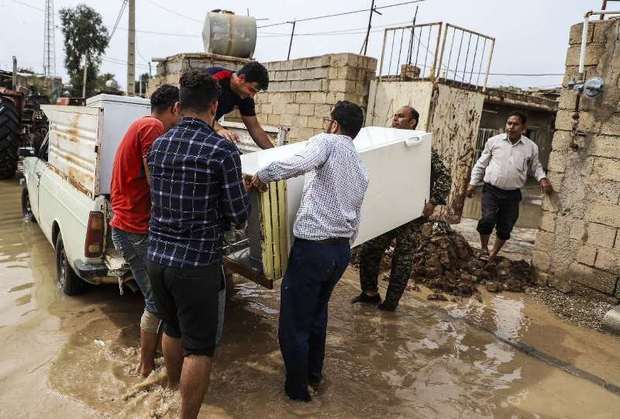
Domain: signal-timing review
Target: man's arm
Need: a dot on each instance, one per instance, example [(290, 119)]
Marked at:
[(257, 132), (235, 205), (226, 133), (536, 170), (310, 158)]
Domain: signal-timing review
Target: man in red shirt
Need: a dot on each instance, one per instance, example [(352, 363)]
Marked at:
[(131, 204)]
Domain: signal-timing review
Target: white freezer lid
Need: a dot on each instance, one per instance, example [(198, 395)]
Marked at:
[(99, 100), (369, 138)]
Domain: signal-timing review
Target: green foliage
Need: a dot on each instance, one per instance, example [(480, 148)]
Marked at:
[(85, 36)]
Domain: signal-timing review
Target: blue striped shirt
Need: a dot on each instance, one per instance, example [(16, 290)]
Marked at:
[(196, 192)]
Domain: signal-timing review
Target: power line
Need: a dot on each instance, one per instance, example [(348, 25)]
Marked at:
[(118, 19), (28, 5), (174, 12), (341, 14)]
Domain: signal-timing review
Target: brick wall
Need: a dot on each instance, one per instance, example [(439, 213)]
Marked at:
[(302, 91), (578, 243)]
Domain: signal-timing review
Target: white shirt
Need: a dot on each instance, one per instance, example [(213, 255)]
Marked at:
[(334, 187), (506, 165)]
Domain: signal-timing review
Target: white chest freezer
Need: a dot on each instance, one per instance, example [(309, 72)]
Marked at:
[(398, 164)]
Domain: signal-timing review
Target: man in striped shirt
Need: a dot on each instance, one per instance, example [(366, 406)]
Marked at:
[(196, 192), (326, 225)]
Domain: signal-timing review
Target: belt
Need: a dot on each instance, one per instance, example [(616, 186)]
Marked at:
[(331, 241)]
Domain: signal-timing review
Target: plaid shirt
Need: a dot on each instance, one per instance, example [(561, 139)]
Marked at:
[(196, 192)]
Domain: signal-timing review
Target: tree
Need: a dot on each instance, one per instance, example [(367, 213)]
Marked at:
[(85, 36)]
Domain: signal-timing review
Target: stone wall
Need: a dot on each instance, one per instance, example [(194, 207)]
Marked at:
[(302, 91), (578, 244)]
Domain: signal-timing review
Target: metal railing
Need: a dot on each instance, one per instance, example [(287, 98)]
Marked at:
[(436, 51)]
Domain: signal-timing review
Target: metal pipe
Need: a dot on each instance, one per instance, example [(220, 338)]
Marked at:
[(434, 69), (428, 43), (486, 78), (290, 44), (584, 35), (382, 53), (14, 78)]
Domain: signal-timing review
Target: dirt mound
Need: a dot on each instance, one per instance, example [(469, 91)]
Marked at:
[(445, 262)]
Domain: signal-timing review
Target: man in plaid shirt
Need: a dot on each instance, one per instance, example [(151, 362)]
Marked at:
[(197, 191)]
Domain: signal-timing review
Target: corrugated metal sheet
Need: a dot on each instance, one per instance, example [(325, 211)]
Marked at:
[(73, 143)]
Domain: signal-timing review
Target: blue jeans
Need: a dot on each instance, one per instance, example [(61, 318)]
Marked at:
[(311, 275), (133, 248)]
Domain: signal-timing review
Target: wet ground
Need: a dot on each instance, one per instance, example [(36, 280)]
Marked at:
[(505, 357)]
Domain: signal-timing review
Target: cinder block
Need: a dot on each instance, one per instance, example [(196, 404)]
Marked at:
[(576, 31), (301, 133), (561, 141), (299, 64), (266, 108), (302, 97), (279, 108), (306, 109), (280, 86), (321, 111), (602, 190), (600, 235), (604, 213), (315, 122), (565, 120), (332, 73), (605, 146), (608, 260), (577, 230), (333, 97), (321, 61), (593, 278), (593, 54), (568, 100), (273, 119), (610, 126), (341, 60), (547, 221), (541, 260), (608, 169), (545, 241), (557, 161), (318, 97), (586, 255), (294, 75), (292, 108)]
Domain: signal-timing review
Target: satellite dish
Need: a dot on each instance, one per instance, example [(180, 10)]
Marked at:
[(111, 84)]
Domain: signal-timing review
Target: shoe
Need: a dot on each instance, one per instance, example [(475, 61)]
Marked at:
[(302, 398), (368, 299), (385, 306)]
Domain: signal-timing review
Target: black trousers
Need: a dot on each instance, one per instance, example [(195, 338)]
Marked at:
[(500, 210), (313, 271)]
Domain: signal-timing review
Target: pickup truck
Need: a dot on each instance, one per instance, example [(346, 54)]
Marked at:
[(67, 186)]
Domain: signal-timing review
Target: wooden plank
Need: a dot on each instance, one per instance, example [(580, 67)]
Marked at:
[(282, 215), (267, 232), (275, 229)]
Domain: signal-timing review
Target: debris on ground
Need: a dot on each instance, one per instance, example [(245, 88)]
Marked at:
[(445, 262), (580, 309)]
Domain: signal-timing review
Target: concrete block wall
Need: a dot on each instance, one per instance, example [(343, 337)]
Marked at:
[(302, 91), (578, 243)]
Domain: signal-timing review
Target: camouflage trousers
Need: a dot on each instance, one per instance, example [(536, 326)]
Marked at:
[(372, 253)]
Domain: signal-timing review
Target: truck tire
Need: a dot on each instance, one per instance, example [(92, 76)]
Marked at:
[(9, 138), (26, 209), (68, 281)]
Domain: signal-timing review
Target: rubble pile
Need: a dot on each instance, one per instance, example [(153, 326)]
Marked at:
[(446, 263)]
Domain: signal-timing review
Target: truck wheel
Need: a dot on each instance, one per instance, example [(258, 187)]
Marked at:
[(68, 281), (26, 209), (9, 138)]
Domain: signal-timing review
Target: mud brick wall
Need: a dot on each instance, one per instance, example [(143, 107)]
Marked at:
[(302, 91), (578, 243)]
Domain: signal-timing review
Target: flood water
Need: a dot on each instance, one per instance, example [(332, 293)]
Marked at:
[(74, 356)]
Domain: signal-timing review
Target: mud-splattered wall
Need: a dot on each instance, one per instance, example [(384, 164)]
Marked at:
[(578, 244), (453, 116)]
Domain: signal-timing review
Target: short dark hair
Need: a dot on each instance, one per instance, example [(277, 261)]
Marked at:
[(198, 90), (414, 114), (350, 117), (164, 98), (255, 72), (520, 115)]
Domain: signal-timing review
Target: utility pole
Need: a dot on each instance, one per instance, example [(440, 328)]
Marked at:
[(131, 50), (373, 10), (85, 58), (49, 44)]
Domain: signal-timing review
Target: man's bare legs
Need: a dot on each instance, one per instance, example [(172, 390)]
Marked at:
[(484, 242), (148, 346), (497, 246), (173, 357), (194, 384)]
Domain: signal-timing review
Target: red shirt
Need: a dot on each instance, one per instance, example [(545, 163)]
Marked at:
[(131, 200)]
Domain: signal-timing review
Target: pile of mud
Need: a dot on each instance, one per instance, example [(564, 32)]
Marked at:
[(444, 262)]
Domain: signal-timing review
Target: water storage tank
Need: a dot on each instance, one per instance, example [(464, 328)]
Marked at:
[(225, 33)]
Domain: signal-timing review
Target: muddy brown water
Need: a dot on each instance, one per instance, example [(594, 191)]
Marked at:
[(74, 356)]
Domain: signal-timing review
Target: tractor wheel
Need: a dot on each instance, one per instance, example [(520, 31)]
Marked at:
[(9, 138)]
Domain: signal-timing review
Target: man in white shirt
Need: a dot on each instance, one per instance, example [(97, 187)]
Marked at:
[(503, 168), (326, 225)]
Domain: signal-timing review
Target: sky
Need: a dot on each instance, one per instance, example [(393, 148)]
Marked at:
[(531, 35)]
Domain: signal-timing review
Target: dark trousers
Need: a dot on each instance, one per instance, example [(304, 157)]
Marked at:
[(500, 210), (312, 273)]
